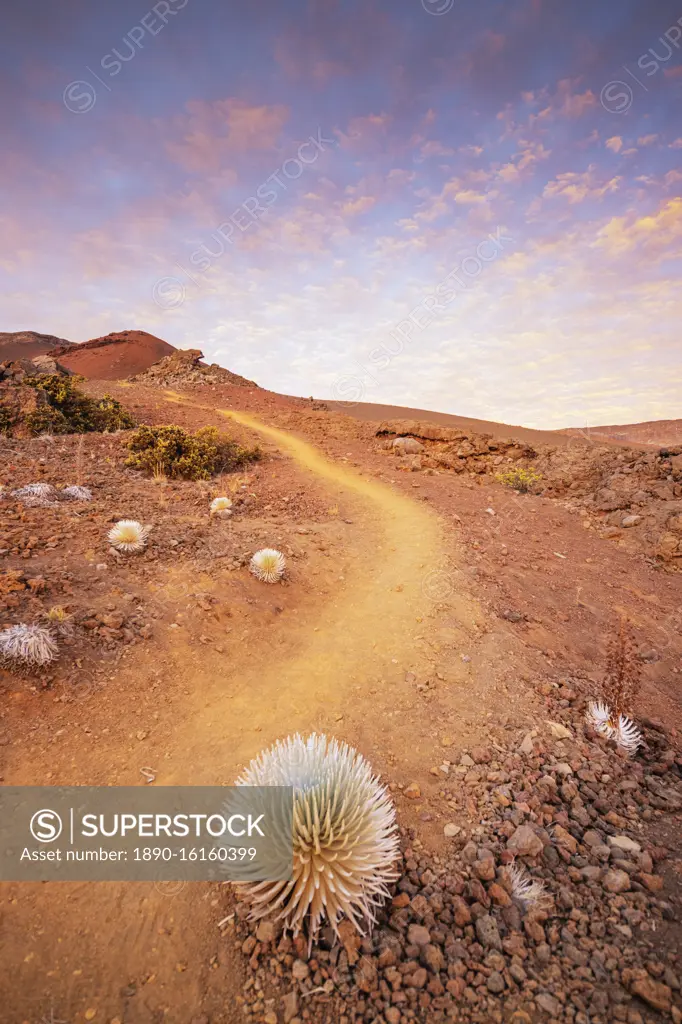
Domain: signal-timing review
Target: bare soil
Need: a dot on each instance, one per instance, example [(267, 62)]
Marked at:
[(419, 612)]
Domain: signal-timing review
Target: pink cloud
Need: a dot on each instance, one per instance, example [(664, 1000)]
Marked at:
[(435, 148), (356, 206), (211, 132), (659, 233), (576, 187), (365, 133)]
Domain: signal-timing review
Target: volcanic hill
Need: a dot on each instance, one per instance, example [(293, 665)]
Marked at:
[(114, 357)]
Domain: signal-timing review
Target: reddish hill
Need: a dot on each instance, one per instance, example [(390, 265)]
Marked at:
[(655, 432), (28, 344), (114, 357)]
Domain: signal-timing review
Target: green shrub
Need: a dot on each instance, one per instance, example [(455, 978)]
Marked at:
[(171, 451), (73, 412), (108, 415), (520, 479), (46, 420)]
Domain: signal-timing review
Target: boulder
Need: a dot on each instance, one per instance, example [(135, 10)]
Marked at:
[(17, 401), (669, 546), (407, 446), (418, 428), (49, 365)]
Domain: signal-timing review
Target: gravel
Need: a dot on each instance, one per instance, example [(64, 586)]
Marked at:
[(457, 943)]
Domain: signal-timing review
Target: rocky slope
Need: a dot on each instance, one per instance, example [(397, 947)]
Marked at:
[(184, 367), (462, 940), (629, 495)]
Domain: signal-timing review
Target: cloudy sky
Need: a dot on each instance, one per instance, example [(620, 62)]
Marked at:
[(470, 207)]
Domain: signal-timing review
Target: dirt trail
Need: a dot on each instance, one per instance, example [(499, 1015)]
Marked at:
[(341, 665), (361, 634)]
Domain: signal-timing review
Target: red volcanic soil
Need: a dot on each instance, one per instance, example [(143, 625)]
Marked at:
[(28, 344), (114, 357)]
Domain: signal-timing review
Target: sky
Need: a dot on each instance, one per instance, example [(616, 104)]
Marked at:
[(468, 207)]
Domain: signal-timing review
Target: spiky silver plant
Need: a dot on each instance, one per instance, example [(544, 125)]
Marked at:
[(345, 837), (598, 717), (268, 565), (526, 890), (627, 736), (74, 492), (622, 730), (128, 536), (30, 645), (221, 507), (36, 495), (42, 490)]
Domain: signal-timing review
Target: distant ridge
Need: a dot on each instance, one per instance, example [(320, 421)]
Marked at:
[(653, 432), (27, 344)]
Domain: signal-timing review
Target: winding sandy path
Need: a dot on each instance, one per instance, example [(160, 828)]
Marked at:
[(360, 634), (140, 953)]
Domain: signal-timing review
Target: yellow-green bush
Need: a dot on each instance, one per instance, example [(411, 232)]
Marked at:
[(173, 452), (520, 479), (70, 411)]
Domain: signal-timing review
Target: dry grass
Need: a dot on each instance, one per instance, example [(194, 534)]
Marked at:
[(80, 457)]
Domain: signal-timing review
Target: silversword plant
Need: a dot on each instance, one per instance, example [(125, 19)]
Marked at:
[(28, 645), (128, 536), (36, 495), (222, 507), (345, 837), (526, 890), (268, 565), (74, 492)]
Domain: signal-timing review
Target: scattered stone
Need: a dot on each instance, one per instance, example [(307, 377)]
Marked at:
[(616, 880), (526, 746), (451, 829), (624, 843), (418, 935), (495, 983), (559, 731), (525, 842), (300, 970), (655, 993), (548, 1003), (488, 932)]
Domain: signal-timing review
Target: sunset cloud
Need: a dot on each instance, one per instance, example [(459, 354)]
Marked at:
[(577, 187), (208, 134), (308, 174)]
